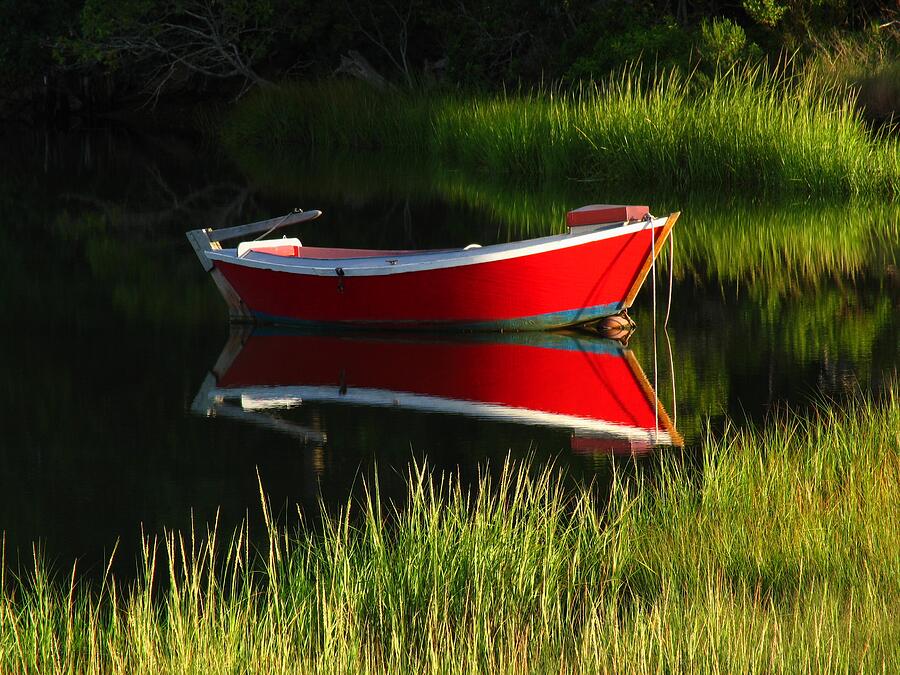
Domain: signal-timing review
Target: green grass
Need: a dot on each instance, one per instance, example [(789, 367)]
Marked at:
[(779, 554), (747, 130)]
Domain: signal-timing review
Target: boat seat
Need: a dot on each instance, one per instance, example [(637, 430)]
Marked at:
[(283, 247)]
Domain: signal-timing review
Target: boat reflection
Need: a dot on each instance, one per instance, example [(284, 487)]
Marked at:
[(574, 381)]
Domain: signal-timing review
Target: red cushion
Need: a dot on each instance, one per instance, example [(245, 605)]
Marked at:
[(596, 214), (284, 251)]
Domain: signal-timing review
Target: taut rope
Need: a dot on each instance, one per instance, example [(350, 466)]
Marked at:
[(655, 369), (287, 215)]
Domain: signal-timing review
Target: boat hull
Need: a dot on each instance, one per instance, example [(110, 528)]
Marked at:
[(538, 288)]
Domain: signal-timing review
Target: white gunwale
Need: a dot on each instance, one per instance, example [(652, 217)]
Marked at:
[(429, 260)]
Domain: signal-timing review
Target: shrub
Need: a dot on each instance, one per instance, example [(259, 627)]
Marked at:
[(724, 43)]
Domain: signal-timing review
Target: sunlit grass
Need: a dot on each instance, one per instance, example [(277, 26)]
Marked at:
[(780, 553), (744, 131)]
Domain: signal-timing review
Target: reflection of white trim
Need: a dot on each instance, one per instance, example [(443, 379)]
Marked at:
[(261, 398), (420, 262), (305, 434), (254, 403)]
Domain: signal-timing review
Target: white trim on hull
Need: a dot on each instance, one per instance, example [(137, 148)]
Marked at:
[(428, 260)]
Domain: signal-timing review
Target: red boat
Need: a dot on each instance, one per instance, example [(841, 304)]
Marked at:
[(592, 387), (593, 271)]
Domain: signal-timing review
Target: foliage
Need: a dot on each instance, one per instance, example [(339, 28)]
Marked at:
[(779, 538), (794, 25), (766, 12), (485, 42), (724, 43), (216, 39), (28, 29), (390, 31), (230, 44), (619, 32)]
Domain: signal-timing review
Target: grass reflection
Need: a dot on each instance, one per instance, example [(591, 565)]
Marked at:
[(771, 247)]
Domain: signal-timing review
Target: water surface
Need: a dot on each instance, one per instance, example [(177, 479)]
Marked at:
[(112, 333)]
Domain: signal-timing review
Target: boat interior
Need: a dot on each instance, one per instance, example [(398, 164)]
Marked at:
[(292, 248)]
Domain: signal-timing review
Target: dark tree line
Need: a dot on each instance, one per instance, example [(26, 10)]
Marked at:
[(71, 53)]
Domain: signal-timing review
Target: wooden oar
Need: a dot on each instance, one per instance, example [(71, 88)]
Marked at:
[(295, 216), (207, 239)]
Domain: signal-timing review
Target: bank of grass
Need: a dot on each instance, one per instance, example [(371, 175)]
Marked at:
[(779, 554), (747, 130)]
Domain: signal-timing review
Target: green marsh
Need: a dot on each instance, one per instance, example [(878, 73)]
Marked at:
[(745, 130), (779, 552)]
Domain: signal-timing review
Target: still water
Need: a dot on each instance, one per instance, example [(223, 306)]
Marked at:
[(129, 405)]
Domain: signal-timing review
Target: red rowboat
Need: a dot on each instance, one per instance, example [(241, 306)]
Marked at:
[(592, 387), (593, 271)]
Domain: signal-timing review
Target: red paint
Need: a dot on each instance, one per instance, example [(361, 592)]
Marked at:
[(587, 275), (587, 445), (335, 253), (283, 251), (605, 386), (597, 214)]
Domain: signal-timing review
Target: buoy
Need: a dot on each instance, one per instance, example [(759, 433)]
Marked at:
[(616, 327)]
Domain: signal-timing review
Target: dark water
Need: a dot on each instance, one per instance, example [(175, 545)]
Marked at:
[(112, 334)]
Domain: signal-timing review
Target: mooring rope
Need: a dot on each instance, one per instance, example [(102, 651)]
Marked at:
[(279, 223), (655, 368), (672, 371), (666, 326), (671, 272)]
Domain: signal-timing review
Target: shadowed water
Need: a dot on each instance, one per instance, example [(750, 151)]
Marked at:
[(116, 400)]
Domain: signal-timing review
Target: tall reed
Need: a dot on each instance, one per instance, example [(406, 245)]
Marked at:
[(748, 129), (779, 554)]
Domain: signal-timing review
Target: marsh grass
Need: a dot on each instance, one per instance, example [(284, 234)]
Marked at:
[(330, 115), (780, 555), (868, 63), (747, 130)]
